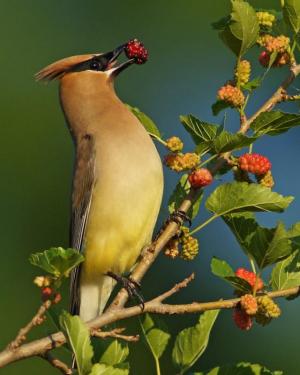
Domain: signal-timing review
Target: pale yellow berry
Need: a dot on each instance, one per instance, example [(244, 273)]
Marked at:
[(174, 144)]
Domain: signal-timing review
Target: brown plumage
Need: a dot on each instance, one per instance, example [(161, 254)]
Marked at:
[(118, 181)]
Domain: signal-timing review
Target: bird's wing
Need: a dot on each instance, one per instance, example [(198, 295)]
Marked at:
[(83, 182)]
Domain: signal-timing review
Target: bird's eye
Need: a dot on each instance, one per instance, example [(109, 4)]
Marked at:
[(95, 65)]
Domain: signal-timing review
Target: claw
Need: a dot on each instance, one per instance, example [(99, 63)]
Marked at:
[(179, 217), (132, 287)]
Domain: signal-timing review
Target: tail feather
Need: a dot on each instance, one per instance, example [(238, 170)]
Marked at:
[(93, 297)]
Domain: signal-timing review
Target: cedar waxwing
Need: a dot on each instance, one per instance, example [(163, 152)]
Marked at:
[(118, 179)]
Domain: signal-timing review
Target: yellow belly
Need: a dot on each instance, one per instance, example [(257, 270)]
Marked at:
[(119, 226)]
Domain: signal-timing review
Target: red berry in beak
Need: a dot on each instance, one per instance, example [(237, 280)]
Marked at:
[(136, 50)]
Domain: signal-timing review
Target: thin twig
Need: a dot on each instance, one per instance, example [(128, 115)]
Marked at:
[(37, 320), (57, 363), (38, 347), (116, 333)]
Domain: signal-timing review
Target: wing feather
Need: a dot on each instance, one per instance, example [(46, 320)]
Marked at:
[(83, 182)]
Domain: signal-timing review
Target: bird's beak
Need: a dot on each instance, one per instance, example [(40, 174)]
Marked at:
[(112, 60)]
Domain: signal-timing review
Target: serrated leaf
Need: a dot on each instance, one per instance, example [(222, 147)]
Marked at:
[(156, 335), (57, 261), (243, 29), (213, 138), (269, 246), (115, 352), (179, 193), (266, 246), (241, 196), (146, 121), (78, 336), (102, 369), (226, 141), (201, 132), (291, 14), (286, 274), (274, 123), (191, 342), (242, 368), (219, 106), (222, 269)]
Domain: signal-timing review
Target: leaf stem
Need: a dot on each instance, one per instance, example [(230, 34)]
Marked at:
[(208, 160), (204, 224), (157, 366), (157, 138), (252, 265)]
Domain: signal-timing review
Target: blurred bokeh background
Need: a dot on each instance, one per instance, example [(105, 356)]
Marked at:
[(188, 63)]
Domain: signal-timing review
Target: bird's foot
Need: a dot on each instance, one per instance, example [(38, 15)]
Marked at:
[(180, 217), (132, 287)]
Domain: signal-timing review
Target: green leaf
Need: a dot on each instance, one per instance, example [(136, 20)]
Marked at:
[(102, 369), (223, 270), (115, 352), (241, 196), (146, 121), (242, 32), (242, 368), (220, 268), (294, 235), (191, 342), (219, 106), (286, 274), (291, 14), (221, 24), (274, 123), (226, 141), (269, 246), (79, 339), (180, 192), (213, 138), (252, 85), (266, 246), (201, 131), (243, 226), (57, 261), (156, 335)]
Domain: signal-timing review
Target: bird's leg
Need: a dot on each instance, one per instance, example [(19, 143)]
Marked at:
[(132, 287)]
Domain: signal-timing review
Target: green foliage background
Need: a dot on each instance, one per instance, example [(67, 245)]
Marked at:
[(187, 65)]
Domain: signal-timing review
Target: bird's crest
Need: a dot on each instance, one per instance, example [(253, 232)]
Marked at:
[(57, 69)]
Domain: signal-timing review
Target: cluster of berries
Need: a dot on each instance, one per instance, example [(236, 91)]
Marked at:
[(254, 163), (180, 162), (263, 308), (280, 45), (189, 246), (257, 164), (265, 19), (242, 72), (174, 144), (231, 95), (135, 49), (48, 293)]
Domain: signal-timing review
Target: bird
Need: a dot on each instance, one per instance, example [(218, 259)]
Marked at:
[(117, 183)]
